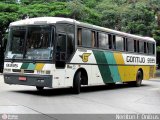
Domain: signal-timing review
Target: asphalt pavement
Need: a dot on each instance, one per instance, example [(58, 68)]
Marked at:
[(54, 103)]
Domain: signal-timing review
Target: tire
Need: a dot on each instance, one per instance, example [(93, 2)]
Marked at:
[(40, 88), (138, 81), (77, 83), (139, 78)]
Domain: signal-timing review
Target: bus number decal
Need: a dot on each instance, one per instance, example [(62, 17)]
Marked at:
[(12, 65), (151, 60)]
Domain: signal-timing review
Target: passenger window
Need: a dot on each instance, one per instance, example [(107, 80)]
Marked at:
[(141, 46), (145, 48), (114, 41), (119, 43), (79, 37), (86, 38), (93, 39), (110, 41), (103, 40), (135, 46), (125, 44), (138, 46), (130, 45), (151, 48)]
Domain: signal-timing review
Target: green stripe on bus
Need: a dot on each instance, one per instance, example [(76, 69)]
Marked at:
[(31, 66), (112, 66), (24, 65), (104, 69)]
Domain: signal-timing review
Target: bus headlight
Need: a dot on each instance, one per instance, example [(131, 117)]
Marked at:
[(7, 70)]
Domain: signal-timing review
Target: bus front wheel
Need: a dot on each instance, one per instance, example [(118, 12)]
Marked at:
[(77, 83), (39, 88)]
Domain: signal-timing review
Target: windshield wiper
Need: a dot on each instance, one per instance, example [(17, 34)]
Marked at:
[(34, 61), (13, 58)]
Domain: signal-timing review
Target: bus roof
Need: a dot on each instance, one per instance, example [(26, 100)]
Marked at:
[(52, 20), (40, 20)]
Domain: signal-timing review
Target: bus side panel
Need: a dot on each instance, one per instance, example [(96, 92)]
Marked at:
[(69, 74), (107, 66), (128, 72), (111, 67), (96, 75)]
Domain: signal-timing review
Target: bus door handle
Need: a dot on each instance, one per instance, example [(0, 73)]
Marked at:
[(97, 76)]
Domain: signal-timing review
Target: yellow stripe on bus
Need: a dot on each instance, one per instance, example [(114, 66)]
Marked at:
[(39, 66), (119, 58), (121, 68)]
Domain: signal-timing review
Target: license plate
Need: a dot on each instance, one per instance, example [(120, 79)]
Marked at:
[(22, 78)]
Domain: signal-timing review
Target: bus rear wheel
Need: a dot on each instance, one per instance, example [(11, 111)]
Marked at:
[(77, 83), (40, 88), (138, 82), (139, 78)]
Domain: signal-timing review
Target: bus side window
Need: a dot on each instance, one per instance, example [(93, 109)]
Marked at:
[(70, 40), (110, 41), (93, 39), (138, 46), (124, 43), (135, 45), (103, 40), (150, 46), (119, 43), (141, 46), (114, 42), (130, 45), (153, 49), (79, 37), (86, 38), (145, 48)]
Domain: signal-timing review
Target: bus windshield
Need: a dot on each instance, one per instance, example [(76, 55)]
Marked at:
[(32, 42)]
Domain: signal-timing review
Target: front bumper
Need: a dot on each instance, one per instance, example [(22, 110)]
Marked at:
[(31, 80)]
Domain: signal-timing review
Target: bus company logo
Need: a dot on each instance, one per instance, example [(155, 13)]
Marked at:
[(85, 56)]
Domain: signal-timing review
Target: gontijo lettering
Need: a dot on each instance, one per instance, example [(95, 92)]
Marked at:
[(135, 59)]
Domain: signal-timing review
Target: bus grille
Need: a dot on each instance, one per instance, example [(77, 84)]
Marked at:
[(25, 71)]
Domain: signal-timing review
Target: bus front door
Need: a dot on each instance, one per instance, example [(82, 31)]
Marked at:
[(61, 51)]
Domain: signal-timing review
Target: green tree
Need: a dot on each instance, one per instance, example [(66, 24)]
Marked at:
[(141, 21), (129, 16), (8, 13), (77, 9)]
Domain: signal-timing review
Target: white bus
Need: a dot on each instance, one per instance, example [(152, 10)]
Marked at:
[(61, 52)]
